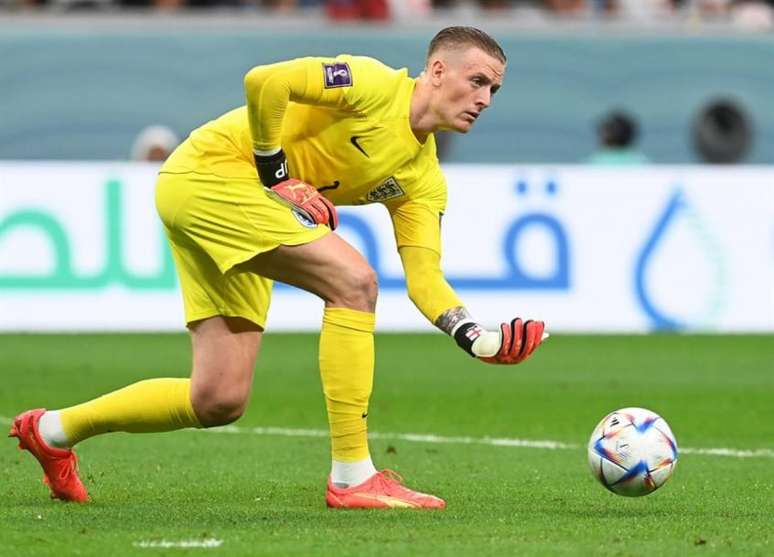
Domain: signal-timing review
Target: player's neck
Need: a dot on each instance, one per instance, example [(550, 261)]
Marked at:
[(421, 117)]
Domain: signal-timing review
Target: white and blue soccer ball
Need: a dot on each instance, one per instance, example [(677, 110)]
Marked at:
[(632, 452)]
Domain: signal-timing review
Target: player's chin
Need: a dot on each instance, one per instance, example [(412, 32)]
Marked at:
[(463, 125)]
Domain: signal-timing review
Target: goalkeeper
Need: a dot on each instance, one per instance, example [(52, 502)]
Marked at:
[(250, 198)]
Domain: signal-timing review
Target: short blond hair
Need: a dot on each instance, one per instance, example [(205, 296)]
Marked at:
[(457, 37)]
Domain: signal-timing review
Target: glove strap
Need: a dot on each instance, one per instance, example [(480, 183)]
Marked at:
[(465, 334), (272, 169)]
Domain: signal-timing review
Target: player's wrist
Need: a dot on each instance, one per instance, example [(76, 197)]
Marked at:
[(475, 340), (266, 152), (272, 167)]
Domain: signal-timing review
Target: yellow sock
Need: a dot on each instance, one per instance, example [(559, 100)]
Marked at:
[(143, 407), (347, 371)]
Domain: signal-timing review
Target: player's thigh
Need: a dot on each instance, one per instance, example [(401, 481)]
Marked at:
[(213, 224), (328, 266)]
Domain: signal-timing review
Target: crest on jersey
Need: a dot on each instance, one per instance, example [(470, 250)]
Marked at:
[(337, 74), (390, 189)]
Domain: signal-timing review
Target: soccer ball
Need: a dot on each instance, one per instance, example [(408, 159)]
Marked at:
[(632, 452)]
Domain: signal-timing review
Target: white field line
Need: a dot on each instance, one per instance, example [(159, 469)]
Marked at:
[(184, 544), (492, 441), (411, 437), (754, 453), (440, 439)]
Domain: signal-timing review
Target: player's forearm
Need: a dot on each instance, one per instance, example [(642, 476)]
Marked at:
[(450, 318), (433, 298), (438, 302), (268, 89), (425, 282), (512, 343)]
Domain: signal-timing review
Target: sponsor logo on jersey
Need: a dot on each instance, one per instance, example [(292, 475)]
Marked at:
[(303, 218), (354, 141), (337, 74), (390, 189)]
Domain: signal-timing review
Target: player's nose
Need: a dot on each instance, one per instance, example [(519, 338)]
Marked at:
[(484, 99)]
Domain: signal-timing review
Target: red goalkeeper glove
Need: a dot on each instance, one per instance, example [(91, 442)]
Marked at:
[(307, 201), (518, 340), (512, 344), (273, 172)]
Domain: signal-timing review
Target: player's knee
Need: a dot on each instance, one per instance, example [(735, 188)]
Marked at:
[(368, 283), (217, 406), (361, 288)]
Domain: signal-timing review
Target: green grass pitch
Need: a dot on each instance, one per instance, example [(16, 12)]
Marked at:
[(263, 494)]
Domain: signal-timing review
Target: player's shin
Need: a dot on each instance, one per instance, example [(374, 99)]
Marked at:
[(346, 369), (148, 406)]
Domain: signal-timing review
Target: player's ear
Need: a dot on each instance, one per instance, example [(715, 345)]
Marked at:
[(436, 68)]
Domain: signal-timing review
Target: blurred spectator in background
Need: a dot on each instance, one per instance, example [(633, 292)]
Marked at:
[(375, 10), (617, 134), (567, 7), (754, 15), (722, 132), (154, 143), (751, 15), (636, 9), (280, 6), (562, 7), (145, 4)]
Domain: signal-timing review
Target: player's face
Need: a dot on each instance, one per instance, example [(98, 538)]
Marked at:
[(470, 80)]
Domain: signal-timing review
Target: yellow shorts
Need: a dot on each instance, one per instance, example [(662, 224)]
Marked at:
[(215, 223)]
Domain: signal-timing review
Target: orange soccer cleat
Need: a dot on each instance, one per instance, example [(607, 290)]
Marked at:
[(60, 466), (383, 490)]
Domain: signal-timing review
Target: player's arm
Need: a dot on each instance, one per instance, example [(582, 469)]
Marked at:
[(417, 230), (268, 90)]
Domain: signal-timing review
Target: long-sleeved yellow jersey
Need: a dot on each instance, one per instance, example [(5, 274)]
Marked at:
[(344, 125)]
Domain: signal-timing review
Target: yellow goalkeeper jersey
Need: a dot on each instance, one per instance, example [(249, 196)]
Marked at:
[(344, 125)]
